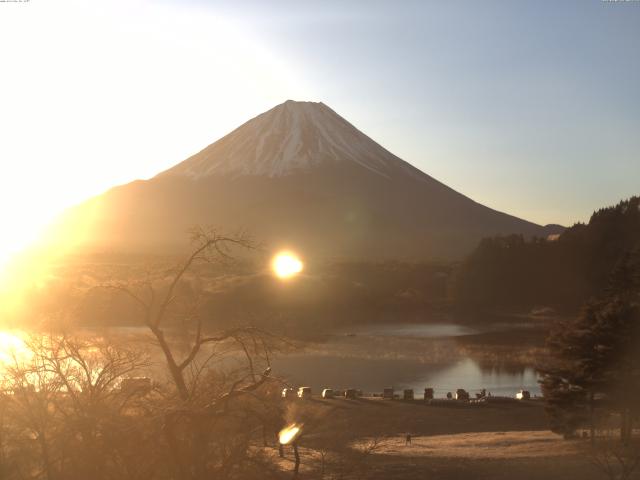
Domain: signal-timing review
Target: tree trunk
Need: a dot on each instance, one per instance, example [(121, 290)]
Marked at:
[(629, 427), (297, 457), (625, 426), (46, 460), (176, 373), (592, 427), (180, 469)]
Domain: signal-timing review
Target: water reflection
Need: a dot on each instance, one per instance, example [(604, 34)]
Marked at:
[(372, 375), (415, 330), (417, 356), (473, 377)]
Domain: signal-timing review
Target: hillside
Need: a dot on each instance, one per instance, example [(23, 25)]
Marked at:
[(303, 177)]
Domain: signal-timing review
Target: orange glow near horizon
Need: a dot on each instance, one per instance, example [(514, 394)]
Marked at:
[(27, 262), (286, 265), (93, 124)]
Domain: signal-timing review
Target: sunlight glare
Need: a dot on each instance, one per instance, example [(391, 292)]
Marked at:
[(286, 265), (12, 348), (68, 138), (288, 434)]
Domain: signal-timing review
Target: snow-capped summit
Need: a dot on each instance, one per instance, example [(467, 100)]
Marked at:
[(290, 137)]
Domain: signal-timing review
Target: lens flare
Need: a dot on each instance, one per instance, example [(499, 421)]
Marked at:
[(290, 433), (286, 265)]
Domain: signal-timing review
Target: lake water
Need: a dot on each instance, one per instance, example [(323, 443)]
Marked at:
[(372, 375), (415, 330), (372, 368), (372, 358)]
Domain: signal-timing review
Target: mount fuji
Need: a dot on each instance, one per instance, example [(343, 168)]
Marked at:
[(301, 176)]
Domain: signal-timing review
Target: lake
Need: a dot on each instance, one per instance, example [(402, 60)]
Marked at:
[(408, 356), (428, 330), (370, 358)]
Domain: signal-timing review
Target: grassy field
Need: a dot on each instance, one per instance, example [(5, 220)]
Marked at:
[(365, 438)]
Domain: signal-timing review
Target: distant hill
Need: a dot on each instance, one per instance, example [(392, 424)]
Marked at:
[(299, 176), (510, 271)]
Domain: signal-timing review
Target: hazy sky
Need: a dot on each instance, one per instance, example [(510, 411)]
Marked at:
[(530, 107)]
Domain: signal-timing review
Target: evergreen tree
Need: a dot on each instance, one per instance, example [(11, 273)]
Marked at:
[(518, 273), (596, 358)]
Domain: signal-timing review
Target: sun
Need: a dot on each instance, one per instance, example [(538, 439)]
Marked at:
[(286, 265)]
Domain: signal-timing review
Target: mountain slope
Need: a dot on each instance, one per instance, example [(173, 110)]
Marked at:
[(301, 176), (289, 138)]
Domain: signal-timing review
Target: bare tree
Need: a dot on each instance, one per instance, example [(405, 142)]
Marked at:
[(64, 415), (616, 460), (63, 407), (207, 429)]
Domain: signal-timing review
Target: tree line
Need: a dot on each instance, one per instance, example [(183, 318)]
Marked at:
[(512, 272)]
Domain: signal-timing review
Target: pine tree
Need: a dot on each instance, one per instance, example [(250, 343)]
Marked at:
[(596, 358)]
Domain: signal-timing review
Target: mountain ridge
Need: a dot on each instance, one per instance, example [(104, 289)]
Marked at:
[(290, 137), (300, 176)]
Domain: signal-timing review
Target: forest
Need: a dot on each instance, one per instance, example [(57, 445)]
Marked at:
[(514, 273)]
